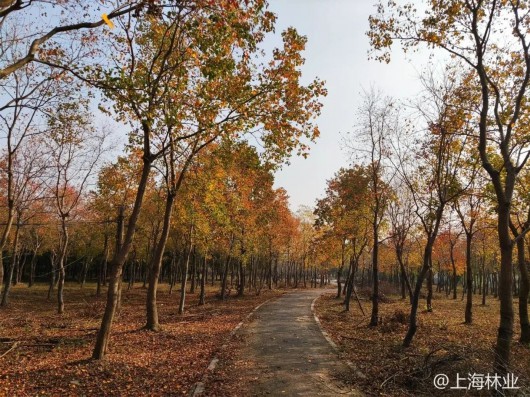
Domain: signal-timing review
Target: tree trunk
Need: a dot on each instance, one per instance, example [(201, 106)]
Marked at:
[(404, 278), (484, 281), (374, 318), (103, 266), (119, 259), (202, 295), (185, 276), (52, 275), (32, 265), (193, 273), (9, 278), (523, 293), (241, 286), (469, 281), (505, 332), (156, 264), (416, 296), (454, 281), (225, 272), (61, 264), (430, 277)]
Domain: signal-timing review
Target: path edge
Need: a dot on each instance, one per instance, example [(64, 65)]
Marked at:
[(326, 335), (199, 387)]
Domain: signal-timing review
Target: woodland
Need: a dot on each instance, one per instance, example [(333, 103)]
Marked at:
[(140, 221)]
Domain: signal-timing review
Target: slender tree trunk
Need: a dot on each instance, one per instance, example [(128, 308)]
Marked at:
[(10, 212), (12, 265), (454, 279), (103, 266), (484, 281), (185, 275), (120, 257), (193, 273), (430, 277), (349, 287), (416, 296), (16, 265), (241, 286), (52, 275), (269, 276), (119, 244), (155, 266), (173, 275), (374, 318), (404, 278), (225, 272), (32, 266), (61, 264), (469, 281), (523, 293), (204, 274), (339, 283), (86, 265)]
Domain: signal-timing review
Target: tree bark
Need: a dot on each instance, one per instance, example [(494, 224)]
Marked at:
[(204, 273), (119, 259), (185, 275), (374, 318), (429, 288), (416, 296), (61, 264), (156, 264), (469, 281), (226, 267), (523, 293), (9, 278), (505, 332), (404, 278)]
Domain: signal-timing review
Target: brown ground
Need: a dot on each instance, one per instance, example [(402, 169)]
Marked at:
[(443, 344), (52, 352)]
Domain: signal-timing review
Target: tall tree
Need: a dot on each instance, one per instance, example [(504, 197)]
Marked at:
[(75, 148), (377, 119)]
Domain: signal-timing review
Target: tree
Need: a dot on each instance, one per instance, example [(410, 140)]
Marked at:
[(401, 217), (75, 149), (519, 223), (377, 120), (468, 207), (433, 178), (344, 215)]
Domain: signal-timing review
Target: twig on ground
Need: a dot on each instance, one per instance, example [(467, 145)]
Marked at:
[(10, 349)]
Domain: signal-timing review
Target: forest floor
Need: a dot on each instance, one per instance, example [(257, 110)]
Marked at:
[(443, 345), (46, 354), (281, 351)]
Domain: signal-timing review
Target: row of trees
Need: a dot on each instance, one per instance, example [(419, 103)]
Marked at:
[(190, 86), (488, 41), (421, 192)]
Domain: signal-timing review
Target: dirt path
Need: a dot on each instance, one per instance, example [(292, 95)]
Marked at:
[(285, 353)]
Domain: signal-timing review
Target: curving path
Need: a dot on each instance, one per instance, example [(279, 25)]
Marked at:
[(286, 353)]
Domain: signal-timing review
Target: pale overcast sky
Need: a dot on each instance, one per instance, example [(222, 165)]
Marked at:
[(337, 53)]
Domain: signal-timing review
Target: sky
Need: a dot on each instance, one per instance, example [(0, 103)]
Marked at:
[(337, 52)]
